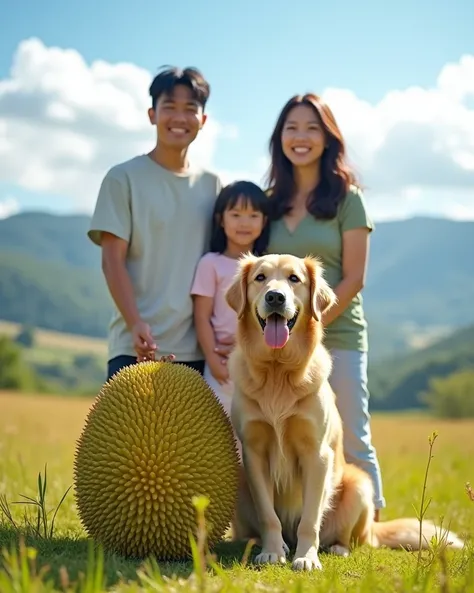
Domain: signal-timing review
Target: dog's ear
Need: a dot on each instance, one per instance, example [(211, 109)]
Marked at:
[(325, 297), (236, 294), (322, 296)]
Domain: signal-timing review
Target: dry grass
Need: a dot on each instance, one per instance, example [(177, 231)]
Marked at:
[(51, 340)]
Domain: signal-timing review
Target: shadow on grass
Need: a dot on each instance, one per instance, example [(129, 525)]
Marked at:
[(73, 554)]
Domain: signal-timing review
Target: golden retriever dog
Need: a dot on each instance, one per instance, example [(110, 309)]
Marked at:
[(296, 489)]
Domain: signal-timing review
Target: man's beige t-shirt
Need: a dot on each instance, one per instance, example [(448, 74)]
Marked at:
[(166, 218)]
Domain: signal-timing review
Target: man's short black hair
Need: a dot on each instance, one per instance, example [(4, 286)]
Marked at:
[(165, 81)]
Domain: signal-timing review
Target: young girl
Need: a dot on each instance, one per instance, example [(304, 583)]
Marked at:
[(239, 225)]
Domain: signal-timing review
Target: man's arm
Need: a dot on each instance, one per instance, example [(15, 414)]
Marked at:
[(110, 228), (114, 253)]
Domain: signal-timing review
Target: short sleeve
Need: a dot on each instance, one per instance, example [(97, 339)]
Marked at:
[(112, 213), (353, 213), (205, 281), (219, 185)]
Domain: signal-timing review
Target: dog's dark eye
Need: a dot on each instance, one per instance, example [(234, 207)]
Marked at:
[(294, 278), (260, 277)]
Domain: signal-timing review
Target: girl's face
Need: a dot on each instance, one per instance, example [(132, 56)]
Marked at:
[(303, 138), (242, 225)]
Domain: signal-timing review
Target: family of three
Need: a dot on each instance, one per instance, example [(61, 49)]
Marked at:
[(171, 234)]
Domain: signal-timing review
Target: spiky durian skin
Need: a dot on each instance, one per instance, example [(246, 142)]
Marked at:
[(154, 437)]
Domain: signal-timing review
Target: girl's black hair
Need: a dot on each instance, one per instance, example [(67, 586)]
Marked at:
[(249, 193)]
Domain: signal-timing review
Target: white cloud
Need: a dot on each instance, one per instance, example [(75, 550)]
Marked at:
[(64, 122), (413, 137), (459, 211), (414, 149), (8, 207), (257, 174), (457, 204)]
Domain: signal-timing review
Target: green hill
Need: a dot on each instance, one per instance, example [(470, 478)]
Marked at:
[(420, 281), (50, 237), (422, 270), (53, 295), (397, 383)]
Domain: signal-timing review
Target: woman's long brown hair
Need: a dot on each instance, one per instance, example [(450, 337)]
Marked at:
[(336, 175)]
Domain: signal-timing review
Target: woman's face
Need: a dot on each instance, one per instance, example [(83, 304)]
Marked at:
[(302, 137)]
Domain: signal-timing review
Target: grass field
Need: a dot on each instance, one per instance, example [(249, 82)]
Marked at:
[(35, 431)]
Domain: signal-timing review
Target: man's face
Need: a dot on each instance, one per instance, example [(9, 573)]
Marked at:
[(178, 118)]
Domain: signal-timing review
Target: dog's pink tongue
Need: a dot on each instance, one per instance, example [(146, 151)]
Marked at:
[(276, 332)]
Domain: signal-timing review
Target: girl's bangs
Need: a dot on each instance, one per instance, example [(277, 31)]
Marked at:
[(256, 201)]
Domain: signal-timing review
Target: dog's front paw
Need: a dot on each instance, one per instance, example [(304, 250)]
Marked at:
[(266, 557), (310, 561)]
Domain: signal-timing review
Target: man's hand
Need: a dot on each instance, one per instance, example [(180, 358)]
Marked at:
[(224, 348), (143, 341)]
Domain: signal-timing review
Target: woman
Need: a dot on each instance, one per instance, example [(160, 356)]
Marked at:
[(318, 209)]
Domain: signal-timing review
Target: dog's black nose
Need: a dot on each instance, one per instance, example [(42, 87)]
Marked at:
[(275, 298)]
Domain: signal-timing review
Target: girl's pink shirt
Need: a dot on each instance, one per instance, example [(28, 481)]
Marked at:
[(214, 274)]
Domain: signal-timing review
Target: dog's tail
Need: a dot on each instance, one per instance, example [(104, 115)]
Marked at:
[(405, 533)]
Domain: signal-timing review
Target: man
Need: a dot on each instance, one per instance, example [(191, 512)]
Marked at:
[(152, 220)]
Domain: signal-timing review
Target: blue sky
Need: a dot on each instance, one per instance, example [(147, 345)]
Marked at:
[(255, 54)]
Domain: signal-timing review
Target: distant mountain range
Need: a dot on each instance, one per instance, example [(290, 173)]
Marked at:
[(398, 383), (420, 279)]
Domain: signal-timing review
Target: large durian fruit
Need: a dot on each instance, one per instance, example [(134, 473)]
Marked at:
[(155, 437)]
